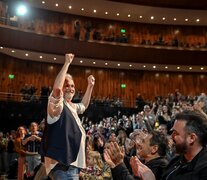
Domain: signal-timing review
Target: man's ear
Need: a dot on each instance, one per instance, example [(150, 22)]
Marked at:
[(192, 138), (154, 149)]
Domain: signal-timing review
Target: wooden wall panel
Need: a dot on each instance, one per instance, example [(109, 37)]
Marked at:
[(108, 81), (50, 22)]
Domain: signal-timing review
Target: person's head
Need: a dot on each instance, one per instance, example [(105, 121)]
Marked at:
[(189, 131), (150, 145), (98, 142), (163, 129), (165, 109), (147, 109), (21, 131), (68, 88), (1, 135), (202, 101), (33, 127), (112, 137)]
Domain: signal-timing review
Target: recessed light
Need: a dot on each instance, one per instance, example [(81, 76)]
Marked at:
[(163, 18), (129, 15), (140, 17), (118, 64), (190, 68), (94, 10), (43, 2), (1, 47), (154, 67), (197, 20), (13, 51), (56, 4), (186, 19), (106, 12), (94, 62), (54, 58), (82, 9), (40, 57), (166, 67), (202, 68), (174, 19), (106, 64), (26, 54), (178, 67), (81, 61), (117, 14), (152, 17), (130, 65), (70, 7)]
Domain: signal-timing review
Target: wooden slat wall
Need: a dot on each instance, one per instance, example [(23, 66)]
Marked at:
[(51, 22), (108, 81)]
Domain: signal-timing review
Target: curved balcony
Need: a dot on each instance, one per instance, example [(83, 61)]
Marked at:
[(15, 38)]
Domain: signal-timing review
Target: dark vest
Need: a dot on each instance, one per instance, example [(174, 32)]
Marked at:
[(61, 140)]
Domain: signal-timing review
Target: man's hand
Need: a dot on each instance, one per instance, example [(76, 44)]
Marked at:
[(69, 58), (108, 159), (91, 80), (114, 153), (141, 170)]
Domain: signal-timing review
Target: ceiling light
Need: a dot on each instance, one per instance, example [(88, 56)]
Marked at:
[(43, 2), (118, 64), (140, 17), (166, 67), (40, 57), (152, 17), (13, 51), (26, 54), (174, 19), (106, 12), (154, 67), (106, 63), (82, 9), (94, 62), (56, 4), (190, 68), (144, 66), (54, 58), (70, 7), (21, 10), (81, 61), (130, 65), (186, 19), (163, 18), (1, 47), (117, 14), (129, 15), (202, 68), (94, 10), (178, 67), (197, 20)]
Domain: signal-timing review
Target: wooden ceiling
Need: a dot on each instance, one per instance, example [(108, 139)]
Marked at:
[(180, 4)]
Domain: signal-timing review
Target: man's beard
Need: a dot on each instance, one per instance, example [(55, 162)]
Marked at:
[(68, 96), (181, 148)]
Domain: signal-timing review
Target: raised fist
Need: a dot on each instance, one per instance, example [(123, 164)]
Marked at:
[(91, 80), (69, 58)]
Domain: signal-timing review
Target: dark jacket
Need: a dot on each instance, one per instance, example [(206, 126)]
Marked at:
[(157, 166), (121, 172), (179, 169)]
